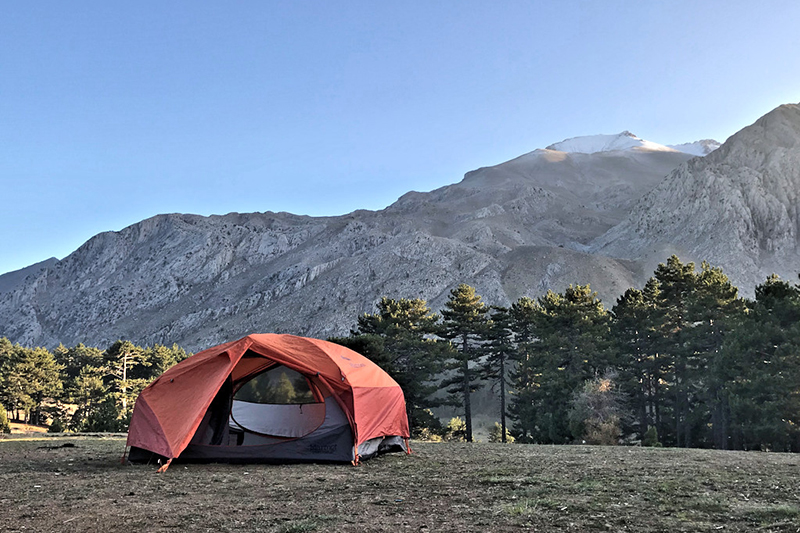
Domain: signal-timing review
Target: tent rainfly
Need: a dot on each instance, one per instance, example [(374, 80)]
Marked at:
[(269, 398)]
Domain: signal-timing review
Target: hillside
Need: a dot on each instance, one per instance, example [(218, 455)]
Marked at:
[(515, 229), (739, 207), (11, 280), (601, 210)]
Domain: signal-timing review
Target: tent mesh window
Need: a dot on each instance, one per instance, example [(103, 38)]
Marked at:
[(276, 403), (279, 385)]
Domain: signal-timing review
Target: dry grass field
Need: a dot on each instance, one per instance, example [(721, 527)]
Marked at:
[(77, 483)]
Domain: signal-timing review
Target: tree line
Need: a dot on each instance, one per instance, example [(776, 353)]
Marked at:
[(79, 388), (683, 361)]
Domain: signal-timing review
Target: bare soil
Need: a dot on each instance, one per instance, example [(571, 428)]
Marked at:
[(21, 428), (47, 486)]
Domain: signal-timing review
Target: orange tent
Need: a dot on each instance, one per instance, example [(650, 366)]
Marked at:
[(242, 401)]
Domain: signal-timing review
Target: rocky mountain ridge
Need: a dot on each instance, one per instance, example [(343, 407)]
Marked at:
[(737, 207), (11, 280), (541, 221)]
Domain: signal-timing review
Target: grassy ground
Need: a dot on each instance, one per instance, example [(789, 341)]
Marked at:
[(45, 486)]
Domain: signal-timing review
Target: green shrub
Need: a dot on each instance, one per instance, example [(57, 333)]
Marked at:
[(605, 433), (495, 435), (456, 430), (426, 426), (105, 418), (651, 437), (56, 426)]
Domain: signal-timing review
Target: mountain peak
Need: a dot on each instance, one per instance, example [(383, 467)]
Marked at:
[(591, 144), (701, 148)]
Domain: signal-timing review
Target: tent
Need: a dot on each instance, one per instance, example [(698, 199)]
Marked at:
[(270, 398)]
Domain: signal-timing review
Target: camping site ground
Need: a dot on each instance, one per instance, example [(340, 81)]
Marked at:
[(77, 483)]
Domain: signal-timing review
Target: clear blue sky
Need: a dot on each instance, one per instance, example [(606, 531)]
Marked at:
[(112, 112)]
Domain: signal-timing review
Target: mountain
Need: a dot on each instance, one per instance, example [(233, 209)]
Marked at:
[(602, 210), (10, 280), (701, 148), (514, 229), (738, 207)]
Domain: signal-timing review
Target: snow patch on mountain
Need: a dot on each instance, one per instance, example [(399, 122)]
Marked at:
[(701, 148), (591, 144)]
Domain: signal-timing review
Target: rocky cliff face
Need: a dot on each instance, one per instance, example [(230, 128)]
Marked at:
[(11, 280), (737, 207), (542, 221)]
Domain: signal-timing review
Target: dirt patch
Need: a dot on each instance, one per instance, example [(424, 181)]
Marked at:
[(18, 428), (45, 486)]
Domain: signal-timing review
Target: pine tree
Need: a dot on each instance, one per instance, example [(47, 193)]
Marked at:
[(77, 362), (6, 362), (676, 282), (156, 360), (397, 338), (5, 427), (464, 323), (764, 356), (714, 307), (105, 418), (524, 376), (75, 358), (28, 377), (499, 346), (636, 330), (88, 392), (127, 372), (571, 345), (669, 337)]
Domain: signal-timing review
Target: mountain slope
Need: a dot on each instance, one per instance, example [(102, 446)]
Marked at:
[(738, 207), (11, 280), (514, 229)]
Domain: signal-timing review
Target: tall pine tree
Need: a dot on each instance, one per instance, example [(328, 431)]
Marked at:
[(763, 360), (524, 376), (397, 338), (463, 324), (635, 330), (571, 346), (676, 282), (499, 347), (714, 308), (28, 377)]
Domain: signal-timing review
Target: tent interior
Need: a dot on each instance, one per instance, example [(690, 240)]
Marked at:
[(267, 412)]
